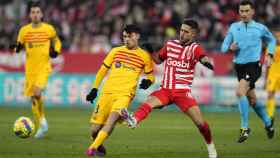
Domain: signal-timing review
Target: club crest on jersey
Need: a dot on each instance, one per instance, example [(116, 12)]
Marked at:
[(181, 64), (118, 64)]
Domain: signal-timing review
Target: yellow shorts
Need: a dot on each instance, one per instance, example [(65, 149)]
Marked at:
[(40, 80), (273, 83), (108, 103)]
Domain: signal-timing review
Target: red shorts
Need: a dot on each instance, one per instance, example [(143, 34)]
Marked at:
[(182, 99)]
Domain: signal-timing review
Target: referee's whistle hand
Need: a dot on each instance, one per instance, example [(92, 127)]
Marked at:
[(233, 46)]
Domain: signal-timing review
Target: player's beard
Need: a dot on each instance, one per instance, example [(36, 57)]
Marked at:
[(184, 41), (36, 21)]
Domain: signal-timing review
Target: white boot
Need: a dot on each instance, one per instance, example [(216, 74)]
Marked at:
[(43, 129), (212, 150)]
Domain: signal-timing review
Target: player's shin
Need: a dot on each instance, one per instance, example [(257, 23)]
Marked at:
[(142, 112), (270, 107), (205, 132), (101, 137), (41, 108), (243, 105), (261, 112), (36, 113)]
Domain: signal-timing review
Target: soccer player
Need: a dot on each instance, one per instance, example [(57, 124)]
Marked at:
[(245, 38), (179, 57), (41, 43), (126, 64), (273, 78)]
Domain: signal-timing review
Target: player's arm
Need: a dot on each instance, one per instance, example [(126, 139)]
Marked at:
[(55, 48), (206, 61), (55, 45), (19, 44), (226, 46), (270, 40), (158, 57), (149, 75), (203, 59), (101, 73), (268, 62)]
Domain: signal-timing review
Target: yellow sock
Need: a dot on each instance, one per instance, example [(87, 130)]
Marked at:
[(101, 136), (36, 113), (270, 104), (41, 108)]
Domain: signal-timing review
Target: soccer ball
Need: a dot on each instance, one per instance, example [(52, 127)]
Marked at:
[(23, 127)]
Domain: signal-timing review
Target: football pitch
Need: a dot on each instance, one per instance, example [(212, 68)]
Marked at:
[(162, 135)]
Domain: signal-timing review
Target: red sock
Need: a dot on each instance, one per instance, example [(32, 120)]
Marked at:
[(142, 112), (206, 133)]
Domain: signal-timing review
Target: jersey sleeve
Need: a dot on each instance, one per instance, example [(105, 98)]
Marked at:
[(148, 67), (269, 39), (55, 41), (20, 36), (163, 52), (109, 59), (199, 52), (228, 40)]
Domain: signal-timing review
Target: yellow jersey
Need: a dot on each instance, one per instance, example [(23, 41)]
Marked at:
[(274, 69), (126, 67), (37, 42)]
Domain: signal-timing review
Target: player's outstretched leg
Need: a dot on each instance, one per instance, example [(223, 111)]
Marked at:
[(206, 133), (141, 113), (195, 114), (101, 150), (261, 112), (270, 104), (103, 134), (244, 111)]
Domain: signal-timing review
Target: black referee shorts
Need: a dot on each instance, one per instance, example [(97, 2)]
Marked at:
[(250, 72)]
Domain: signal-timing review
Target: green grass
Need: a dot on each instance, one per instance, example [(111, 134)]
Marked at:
[(163, 135)]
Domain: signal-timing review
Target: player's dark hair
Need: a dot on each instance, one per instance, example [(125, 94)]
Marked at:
[(192, 23), (131, 28), (32, 4), (247, 2)]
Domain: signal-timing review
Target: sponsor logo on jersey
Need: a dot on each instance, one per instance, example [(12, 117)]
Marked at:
[(118, 64), (181, 64)]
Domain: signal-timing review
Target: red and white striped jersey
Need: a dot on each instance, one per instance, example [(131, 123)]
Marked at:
[(179, 64)]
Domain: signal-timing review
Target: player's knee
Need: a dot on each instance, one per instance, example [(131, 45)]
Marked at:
[(240, 92), (37, 93), (270, 95), (35, 98), (252, 101), (153, 102)]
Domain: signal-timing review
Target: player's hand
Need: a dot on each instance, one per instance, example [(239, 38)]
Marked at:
[(233, 47), (207, 62), (16, 47), (269, 60), (53, 53), (145, 84), (92, 95), (148, 47)]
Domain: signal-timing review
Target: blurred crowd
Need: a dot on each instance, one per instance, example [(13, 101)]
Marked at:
[(94, 26)]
